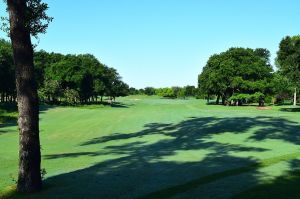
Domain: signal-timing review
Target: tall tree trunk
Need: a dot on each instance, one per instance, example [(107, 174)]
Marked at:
[(208, 98), (218, 99), (295, 97), (29, 178), (223, 99)]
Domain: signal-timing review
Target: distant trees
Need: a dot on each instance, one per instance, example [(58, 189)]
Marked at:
[(282, 88), (236, 71), (177, 92), (7, 74), (149, 91), (165, 92), (191, 91)]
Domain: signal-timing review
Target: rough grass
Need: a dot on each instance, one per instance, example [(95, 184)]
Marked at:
[(147, 147)]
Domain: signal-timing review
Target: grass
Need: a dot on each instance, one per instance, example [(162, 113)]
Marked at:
[(146, 147)]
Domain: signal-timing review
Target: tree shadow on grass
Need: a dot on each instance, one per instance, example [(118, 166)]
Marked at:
[(185, 162), (120, 105), (9, 123), (290, 109), (8, 116), (283, 187)]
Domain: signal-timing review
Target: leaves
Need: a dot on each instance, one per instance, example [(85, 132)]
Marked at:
[(237, 70)]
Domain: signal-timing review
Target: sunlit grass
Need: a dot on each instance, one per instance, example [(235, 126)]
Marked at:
[(151, 147)]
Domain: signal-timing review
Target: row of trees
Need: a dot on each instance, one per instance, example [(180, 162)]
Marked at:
[(171, 92), (244, 75), (7, 74), (63, 78)]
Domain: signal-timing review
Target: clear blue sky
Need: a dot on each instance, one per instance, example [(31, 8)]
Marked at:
[(166, 42)]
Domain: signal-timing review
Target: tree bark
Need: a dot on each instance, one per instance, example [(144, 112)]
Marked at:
[(295, 97), (29, 178), (208, 98), (218, 99)]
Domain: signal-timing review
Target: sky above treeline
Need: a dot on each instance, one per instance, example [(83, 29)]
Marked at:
[(164, 43)]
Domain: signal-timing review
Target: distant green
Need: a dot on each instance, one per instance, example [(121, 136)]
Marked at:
[(148, 147)]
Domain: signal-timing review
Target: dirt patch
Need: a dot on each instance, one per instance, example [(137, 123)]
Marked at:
[(264, 108)]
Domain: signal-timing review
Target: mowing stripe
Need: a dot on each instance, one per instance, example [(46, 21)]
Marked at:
[(193, 184)]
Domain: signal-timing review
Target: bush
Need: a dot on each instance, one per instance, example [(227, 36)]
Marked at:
[(71, 96), (241, 98)]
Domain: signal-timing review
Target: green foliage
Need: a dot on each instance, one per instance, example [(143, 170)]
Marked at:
[(71, 96), (165, 92), (243, 98), (149, 91), (37, 20), (134, 91), (7, 71), (81, 77), (282, 87), (190, 91), (237, 70), (51, 90), (181, 93), (177, 92), (288, 58)]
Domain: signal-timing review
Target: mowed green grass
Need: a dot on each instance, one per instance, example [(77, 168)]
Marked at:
[(147, 147)]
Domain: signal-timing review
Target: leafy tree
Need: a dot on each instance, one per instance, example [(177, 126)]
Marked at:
[(71, 96), (149, 91), (182, 93), (120, 89), (142, 91), (288, 60), (51, 90), (240, 99), (99, 88), (282, 87), (133, 91), (165, 92), (237, 70), (7, 75), (190, 91)]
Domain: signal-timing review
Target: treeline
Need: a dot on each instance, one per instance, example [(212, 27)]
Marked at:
[(62, 78), (244, 75), (171, 92)]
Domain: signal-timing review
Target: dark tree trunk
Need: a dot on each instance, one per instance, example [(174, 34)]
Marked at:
[(218, 100), (29, 178), (208, 98), (223, 99)]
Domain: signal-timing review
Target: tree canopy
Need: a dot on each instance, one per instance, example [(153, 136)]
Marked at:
[(288, 58), (63, 78), (238, 70)]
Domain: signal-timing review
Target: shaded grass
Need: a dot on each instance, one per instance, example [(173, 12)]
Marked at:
[(171, 191)]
